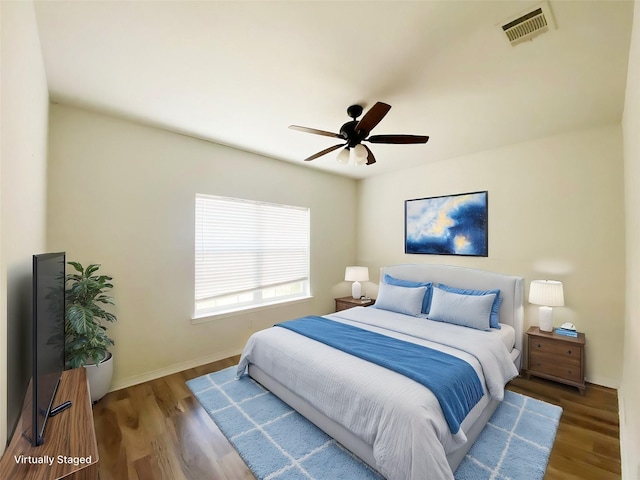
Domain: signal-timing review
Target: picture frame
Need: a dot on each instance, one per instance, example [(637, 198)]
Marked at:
[(448, 225)]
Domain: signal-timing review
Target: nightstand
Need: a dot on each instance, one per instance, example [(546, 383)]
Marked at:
[(344, 303), (556, 357)]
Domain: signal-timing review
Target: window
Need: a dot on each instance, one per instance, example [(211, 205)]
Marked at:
[(249, 254)]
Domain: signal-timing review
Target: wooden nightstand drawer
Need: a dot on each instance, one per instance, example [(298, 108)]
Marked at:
[(555, 351), (550, 366)]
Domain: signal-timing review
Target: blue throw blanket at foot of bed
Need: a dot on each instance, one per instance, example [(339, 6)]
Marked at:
[(452, 380)]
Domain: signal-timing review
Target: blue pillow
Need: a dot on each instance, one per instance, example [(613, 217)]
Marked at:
[(400, 299), (398, 282), (495, 309), (471, 311)]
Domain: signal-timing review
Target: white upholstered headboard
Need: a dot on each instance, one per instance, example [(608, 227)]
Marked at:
[(511, 288)]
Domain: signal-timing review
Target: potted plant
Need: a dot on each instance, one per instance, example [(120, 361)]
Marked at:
[(86, 341)]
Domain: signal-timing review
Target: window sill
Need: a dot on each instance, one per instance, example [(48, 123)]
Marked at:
[(209, 317)]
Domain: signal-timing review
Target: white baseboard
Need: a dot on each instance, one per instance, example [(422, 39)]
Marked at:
[(171, 369), (604, 381)]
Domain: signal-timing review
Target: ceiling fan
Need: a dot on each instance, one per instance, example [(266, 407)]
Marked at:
[(355, 132)]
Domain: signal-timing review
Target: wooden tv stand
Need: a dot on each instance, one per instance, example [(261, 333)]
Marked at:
[(69, 437)]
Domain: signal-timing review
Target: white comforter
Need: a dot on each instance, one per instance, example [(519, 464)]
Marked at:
[(400, 418)]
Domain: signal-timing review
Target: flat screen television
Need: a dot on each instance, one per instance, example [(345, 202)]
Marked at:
[(48, 299)]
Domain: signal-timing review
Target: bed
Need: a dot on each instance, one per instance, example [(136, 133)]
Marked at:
[(395, 424)]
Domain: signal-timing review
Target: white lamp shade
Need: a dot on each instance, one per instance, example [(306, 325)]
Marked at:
[(546, 292), (360, 152), (344, 156), (356, 274)]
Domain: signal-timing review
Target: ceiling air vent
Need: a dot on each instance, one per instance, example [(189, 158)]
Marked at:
[(529, 24)]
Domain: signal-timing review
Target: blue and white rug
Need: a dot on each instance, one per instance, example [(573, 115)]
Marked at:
[(515, 444), (279, 444)]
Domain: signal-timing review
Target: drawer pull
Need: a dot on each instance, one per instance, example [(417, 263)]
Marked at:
[(539, 346), (569, 352)]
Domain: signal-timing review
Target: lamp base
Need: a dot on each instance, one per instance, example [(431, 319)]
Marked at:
[(546, 319), (356, 290)]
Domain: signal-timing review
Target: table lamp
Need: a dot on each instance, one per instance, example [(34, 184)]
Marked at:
[(547, 294), (356, 275)]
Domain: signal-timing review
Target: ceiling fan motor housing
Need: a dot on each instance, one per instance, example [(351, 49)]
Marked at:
[(351, 135)]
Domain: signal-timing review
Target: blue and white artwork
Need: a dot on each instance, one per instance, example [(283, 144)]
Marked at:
[(449, 225)]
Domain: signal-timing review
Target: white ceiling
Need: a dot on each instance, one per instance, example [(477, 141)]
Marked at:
[(239, 73)]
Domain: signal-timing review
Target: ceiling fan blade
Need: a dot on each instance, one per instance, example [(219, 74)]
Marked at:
[(315, 131), (324, 152), (405, 139), (370, 158), (373, 117)]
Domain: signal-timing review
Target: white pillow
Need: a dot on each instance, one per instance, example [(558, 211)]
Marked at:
[(472, 311), (400, 299)]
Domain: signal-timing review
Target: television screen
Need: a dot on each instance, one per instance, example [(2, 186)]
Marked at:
[(48, 336)]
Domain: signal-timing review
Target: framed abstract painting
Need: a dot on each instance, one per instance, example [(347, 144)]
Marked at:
[(447, 225)]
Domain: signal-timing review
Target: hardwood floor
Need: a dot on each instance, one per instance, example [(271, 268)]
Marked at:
[(157, 430), (587, 444)]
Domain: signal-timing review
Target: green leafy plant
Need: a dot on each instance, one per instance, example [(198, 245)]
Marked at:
[(86, 340)]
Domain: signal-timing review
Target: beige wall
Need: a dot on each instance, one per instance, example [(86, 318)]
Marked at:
[(25, 103), (556, 211), (122, 194), (139, 225), (629, 394)]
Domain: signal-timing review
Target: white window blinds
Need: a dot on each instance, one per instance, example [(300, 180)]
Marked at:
[(248, 253)]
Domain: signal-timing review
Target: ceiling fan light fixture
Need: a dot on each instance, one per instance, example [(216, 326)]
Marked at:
[(360, 152), (343, 156)]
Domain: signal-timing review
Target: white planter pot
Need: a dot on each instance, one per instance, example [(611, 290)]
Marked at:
[(100, 378)]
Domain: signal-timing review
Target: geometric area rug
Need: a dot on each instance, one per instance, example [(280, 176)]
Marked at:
[(516, 443), (277, 443)]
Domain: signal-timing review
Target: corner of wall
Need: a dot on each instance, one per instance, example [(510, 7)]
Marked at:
[(25, 101), (629, 393)]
